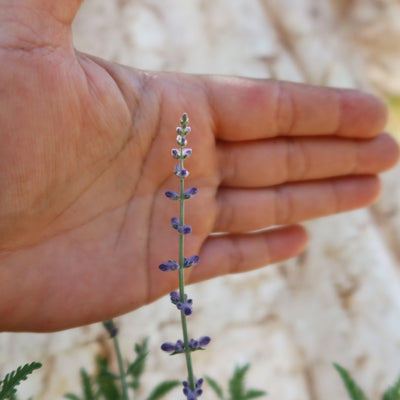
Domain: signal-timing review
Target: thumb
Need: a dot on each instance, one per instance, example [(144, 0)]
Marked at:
[(28, 24)]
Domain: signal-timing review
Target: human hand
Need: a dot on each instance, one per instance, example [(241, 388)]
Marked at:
[(85, 161)]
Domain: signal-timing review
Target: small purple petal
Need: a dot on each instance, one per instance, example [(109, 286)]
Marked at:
[(175, 222), (185, 308), (170, 265), (172, 195), (168, 347), (193, 344), (190, 193), (179, 131), (175, 298), (179, 346), (181, 141), (186, 153), (176, 154), (187, 130), (181, 173), (204, 341), (185, 229), (190, 261)]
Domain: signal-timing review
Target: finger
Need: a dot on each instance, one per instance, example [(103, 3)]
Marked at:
[(258, 109), (280, 160), (226, 254), (252, 209)]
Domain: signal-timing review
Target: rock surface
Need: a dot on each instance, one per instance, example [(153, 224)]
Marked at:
[(340, 300)]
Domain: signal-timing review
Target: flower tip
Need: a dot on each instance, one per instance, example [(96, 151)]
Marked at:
[(204, 341), (172, 195), (168, 347)]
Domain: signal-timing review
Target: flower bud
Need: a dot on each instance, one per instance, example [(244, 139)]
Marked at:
[(175, 222), (181, 141), (186, 153), (170, 265), (185, 229), (190, 193), (190, 261), (172, 195), (176, 154)]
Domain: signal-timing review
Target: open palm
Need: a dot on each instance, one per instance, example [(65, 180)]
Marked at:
[(85, 161)]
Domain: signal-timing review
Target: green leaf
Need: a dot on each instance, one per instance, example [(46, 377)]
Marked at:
[(353, 389), (136, 368), (71, 396), (162, 389), (87, 386), (105, 380), (236, 383), (393, 392), (252, 394), (14, 378), (215, 387)]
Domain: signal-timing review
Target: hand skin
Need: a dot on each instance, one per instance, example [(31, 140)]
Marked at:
[(85, 161)]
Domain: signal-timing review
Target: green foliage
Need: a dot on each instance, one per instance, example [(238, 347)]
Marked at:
[(237, 387), (136, 368), (393, 392), (105, 384), (162, 389), (215, 387), (353, 389), (14, 378)]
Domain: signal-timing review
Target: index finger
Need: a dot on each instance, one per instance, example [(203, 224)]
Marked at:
[(246, 109)]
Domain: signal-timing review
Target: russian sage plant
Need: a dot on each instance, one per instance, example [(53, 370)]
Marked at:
[(191, 386)]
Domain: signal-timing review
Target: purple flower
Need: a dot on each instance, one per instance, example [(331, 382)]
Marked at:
[(175, 298), (168, 347), (185, 307), (192, 394), (111, 328), (181, 141), (186, 153), (190, 261), (175, 222), (185, 229), (179, 346), (172, 195), (179, 131), (181, 173), (204, 341), (170, 265), (172, 348), (176, 154), (190, 193), (199, 344)]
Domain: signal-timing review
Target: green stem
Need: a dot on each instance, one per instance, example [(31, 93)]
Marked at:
[(122, 374), (188, 357)]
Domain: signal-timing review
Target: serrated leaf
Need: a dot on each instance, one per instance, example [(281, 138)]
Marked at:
[(393, 392), (353, 389), (215, 387), (14, 378), (162, 389)]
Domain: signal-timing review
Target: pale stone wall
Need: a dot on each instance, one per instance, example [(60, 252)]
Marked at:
[(339, 301)]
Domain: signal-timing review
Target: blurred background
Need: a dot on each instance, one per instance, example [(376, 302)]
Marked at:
[(337, 302)]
